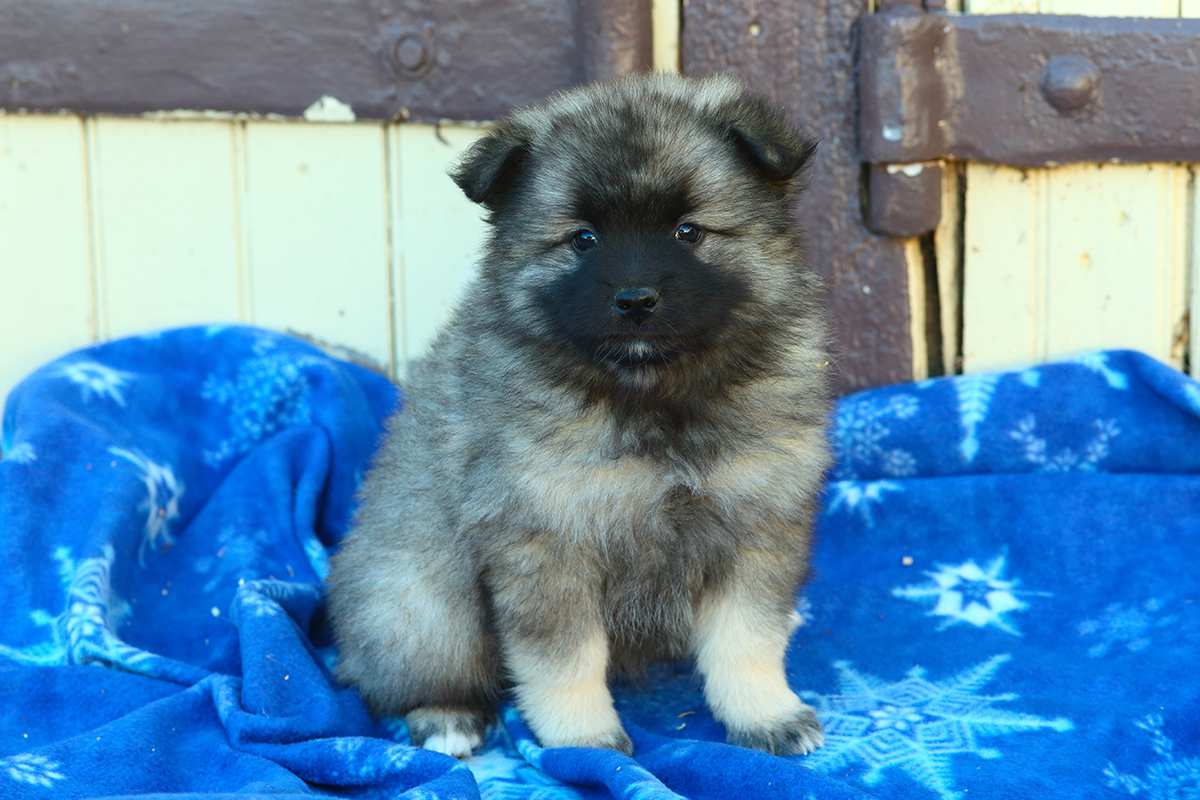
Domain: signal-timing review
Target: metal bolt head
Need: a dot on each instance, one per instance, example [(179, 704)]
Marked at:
[(1070, 82), (411, 53)]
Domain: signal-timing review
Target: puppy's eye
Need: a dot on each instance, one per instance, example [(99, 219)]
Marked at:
[(687, 232), (584, 240)]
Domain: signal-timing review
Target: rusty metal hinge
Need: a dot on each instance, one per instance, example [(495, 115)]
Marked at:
[(1024, 90)]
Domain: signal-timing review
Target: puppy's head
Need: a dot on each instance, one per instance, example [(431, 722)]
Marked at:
[(640, 229)]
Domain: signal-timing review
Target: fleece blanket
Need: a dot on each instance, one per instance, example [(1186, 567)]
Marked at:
[(1004, 601)]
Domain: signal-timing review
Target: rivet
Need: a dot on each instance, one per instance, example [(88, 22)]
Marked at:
[(1069, 82), (412, 53)]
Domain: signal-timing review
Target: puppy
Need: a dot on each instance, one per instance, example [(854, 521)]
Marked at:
[(612, 451)]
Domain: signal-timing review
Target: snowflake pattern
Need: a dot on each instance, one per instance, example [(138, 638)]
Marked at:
[(802, 614), (85, 631), (1036, 451), (318, 557), (32, 768), (860, 496), (235, 559), (967, 593), (263, 598), (96, 380), (1098, 363), (267, 394), (1125, 626), (502, 775), (21, 453), (1192, 392), (974, 394), (860, 433), (163, 493), (916, 725), (1168, 778)]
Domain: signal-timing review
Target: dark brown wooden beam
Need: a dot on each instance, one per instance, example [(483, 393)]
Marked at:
[(385, 59), (801, 55)]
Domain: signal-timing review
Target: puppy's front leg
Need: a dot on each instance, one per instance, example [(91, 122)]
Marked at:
[(739, 637), (555, 646)]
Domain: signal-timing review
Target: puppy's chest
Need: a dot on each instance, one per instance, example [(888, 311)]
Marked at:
[(576, 485)]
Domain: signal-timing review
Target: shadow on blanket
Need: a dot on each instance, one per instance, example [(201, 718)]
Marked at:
[(1004, 602)]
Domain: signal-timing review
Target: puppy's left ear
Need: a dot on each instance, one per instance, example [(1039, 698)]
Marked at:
[(765, 137), (489, 166)]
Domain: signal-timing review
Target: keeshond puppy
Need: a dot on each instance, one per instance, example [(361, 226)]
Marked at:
[(612, 451)]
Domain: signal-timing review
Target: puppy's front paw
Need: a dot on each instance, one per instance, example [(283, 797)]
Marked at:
[(797, 735)]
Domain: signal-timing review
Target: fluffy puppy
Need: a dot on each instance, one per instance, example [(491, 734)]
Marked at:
[(612, 450)]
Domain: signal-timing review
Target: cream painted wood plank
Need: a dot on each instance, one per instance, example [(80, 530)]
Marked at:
[(1003, 276), (1115, 252), (316, 230), (166, 223), (437, 232), (947, 243), (1091, 256), (664, 21), (1112, 8), (1194, 235), (45, 279), (917, 293)]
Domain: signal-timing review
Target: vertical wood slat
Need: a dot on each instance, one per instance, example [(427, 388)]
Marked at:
[(45, 264), (947, 242), (1191, 8), (166, 223), (316, 233), (1076, 257), (437, 233), (665, 16)]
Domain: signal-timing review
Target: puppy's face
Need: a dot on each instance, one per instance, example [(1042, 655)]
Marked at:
[(642, 226)]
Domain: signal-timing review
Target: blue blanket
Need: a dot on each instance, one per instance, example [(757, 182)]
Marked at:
[(1004, 602)]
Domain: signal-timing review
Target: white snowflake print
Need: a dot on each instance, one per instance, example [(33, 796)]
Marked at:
[(916, 725), (1192, 392), (1087, 459), (860, 496), (32, 769), (974, 393), (1124, 626), (85, 631), (267, 394), (970, 594), (860, 433), (318, 557), (1098, 363), (96, 380), (163, 493), (649, 788), (802, 614), (262, 598), (502, 776), (237, 557), (20, 453), (1169, 778)]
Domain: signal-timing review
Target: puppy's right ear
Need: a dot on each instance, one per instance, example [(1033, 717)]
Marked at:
[(488, 167)]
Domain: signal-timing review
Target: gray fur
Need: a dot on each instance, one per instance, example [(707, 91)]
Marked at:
[(533, 494)]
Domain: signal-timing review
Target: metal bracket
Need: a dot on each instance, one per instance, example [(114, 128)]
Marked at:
[(1025, 90)]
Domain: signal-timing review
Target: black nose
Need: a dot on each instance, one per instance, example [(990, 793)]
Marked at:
[(635, 304)]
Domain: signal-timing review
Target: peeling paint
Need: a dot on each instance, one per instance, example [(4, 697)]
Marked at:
[(329, 109), (911, 170), (196, 113)]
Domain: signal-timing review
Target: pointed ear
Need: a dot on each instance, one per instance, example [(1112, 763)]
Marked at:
[(488, 167), (765, 137)]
